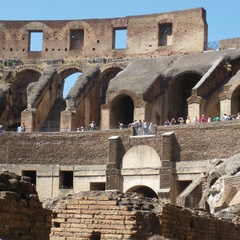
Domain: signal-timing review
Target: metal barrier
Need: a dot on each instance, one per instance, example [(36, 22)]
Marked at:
[(215, 45)]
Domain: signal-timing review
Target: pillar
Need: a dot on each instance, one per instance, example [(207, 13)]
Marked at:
[(112, 170), (67, 121), (28, 118), (166, 192)]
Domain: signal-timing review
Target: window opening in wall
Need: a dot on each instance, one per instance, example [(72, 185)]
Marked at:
[(36, 41), (69, 83), (97, 186), (76, 39), (32, 175), (120, 38), (66, 180), (165, 34)]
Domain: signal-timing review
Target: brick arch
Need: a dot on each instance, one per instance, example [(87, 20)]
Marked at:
[(77, 25), (119, 93), (28, 67), (108, 66), (79, 67), (35, 26)]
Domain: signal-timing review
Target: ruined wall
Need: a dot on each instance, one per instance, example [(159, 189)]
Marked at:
[(193, 142), (21, 213), (182, 223), (230, 43), (111, 215), (104, 215), (96, 37)]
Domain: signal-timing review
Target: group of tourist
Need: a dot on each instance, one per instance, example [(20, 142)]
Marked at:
[(141, 127), (203, 119)]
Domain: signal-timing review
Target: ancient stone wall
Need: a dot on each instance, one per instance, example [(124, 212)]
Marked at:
[(111, 215), (21, 212), (192, 142), (181, 223), (95, 38)]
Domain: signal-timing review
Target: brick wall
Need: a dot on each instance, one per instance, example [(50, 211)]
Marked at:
[(104, 215), (111, 215), (180, 223), (21, 213)]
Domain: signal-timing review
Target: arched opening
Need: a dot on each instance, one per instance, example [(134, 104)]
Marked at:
[(235, 102), (18, 95), (144, 190), (69, 83), (105, 78), (61, 85), (179, 91), (122, 109)]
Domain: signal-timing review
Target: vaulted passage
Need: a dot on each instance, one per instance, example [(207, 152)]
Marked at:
[(146, 191), (180, 91), (122, 111)]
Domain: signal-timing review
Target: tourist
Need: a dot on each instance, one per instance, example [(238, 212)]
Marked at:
[(19, 129), (23, 127), (181, 120), (92, 126), (150, 129), (203, 119), (145, 128), (188, 120), (166, 123), (173, 121), (217, 118), (196, 121), (209, 119), (120, 125), (1, 129), (225, 117)]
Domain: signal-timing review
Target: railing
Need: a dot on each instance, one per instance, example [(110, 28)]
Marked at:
[(215, 45)]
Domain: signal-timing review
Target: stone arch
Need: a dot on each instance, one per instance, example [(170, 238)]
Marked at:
[(28, 67), (146, 191), (140, 167), (75, 66), (23, 78), (180, 89), (48, 33), (108, 72), (235, 99), (64, 72), (65, 32)]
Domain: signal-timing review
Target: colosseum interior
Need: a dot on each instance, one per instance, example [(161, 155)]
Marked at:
[(62, 180)]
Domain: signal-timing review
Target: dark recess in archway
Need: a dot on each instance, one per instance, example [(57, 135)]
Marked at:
[(122, 111), (181, 90), (145, 191)]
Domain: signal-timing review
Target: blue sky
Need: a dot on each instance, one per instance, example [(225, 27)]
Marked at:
[(222, 16)]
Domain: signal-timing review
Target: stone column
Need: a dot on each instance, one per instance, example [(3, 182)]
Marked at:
[(28, 118), (166, 193), (112, 171), (195, 104), (67, 121), (225, 103)]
